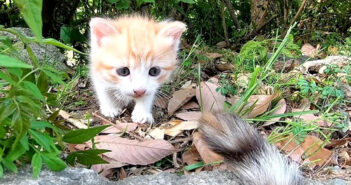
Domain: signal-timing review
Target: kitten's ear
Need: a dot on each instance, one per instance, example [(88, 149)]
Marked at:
[(99, 29), (173, 30)]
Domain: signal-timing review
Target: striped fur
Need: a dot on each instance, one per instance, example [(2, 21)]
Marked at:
[(253, 160)]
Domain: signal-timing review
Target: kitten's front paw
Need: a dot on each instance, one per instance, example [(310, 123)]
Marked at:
[(110, 112), (142, 117)]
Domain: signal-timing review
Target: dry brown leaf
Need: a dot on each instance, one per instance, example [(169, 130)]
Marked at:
[(207, 155), (178, 99), (189, 116), (310, 148), (221, 44), (312, 118), (224, 67), (106, 169), (179, 127), (161, 102), (191, 156), (81, 124), (213, 56), (261, 106), (281, 108), (191, 105), (122, 174), (211, 99), (121, 127), (157, 133), (308, 50), (133, 151)]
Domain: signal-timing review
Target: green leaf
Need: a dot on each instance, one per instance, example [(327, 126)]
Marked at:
[(9, 165), (31, 87), (187, 1), (6, 61), (194, 166), (82, 135), (16, 153), (140, 2), (53, 76), (43, 140), (43, 82), (37, 125), (70, 34), (55, 42), (31, 11), (123, 4), (53, 162), (37, 163), (7, 107), (87, 157), (1, 171), (112, 1)]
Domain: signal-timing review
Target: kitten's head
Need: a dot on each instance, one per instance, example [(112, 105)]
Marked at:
[(134, 54)]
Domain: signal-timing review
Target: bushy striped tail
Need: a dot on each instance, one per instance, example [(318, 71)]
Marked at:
[(253, 160)]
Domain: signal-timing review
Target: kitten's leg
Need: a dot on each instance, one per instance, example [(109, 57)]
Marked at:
[(142, 112), (110, 105)]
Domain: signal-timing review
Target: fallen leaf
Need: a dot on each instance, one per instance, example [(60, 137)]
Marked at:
[(311, 149), (120, 127), (191, 105), (180, 127), (189, 116), (157, 133), (207, 155), (339, 142), (122, 174), (213, 56), (261, 106), (312, 118), (317, 64), (187, 85), (106, 169), (161, 102), (211, 99), (281, 108), (191, 156), (224, 67), (178, 99), (221, 44), (308, 50), (76, 122), (133, 151)]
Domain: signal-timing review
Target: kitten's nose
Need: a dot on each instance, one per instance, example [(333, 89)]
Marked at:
[(139, 92)]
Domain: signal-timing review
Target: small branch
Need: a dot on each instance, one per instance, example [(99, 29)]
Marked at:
[(232, 12), (77, 123), (224, 24), (118, 127), (298, 14), (190, 138), (175, 162), (258, 28)]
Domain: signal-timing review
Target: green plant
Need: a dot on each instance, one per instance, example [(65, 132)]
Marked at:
[(28, 133)]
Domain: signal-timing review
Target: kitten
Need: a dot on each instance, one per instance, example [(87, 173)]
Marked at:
[(130, 58)]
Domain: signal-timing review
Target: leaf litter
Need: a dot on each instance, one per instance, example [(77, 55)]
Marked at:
[(152, 147)]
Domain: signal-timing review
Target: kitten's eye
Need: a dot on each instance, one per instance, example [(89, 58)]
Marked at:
[(154, 71), (124, 71)]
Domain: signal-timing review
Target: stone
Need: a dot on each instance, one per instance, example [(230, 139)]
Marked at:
[(82, 176), (45, 53)]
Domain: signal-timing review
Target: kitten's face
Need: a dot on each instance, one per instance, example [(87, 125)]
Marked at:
[(134, 54)]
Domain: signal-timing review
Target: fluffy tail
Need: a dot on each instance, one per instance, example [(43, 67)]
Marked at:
[(253, 160)]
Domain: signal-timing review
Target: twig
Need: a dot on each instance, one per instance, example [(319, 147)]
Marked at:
[(175, 162), (75, 122), (224, 25), (181, 140), (131, 133), (232, 12), (298, 14), (258, 28)]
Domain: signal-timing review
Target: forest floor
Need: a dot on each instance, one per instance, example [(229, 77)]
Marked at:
[(303, 107)]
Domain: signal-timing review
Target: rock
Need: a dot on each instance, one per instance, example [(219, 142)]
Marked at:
[(45, 53), (70, 176), (82, 176)]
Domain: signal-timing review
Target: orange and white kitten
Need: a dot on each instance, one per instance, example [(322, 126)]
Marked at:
[(131, 57)]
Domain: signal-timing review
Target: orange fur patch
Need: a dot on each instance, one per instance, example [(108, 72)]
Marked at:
[(137, 41)]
